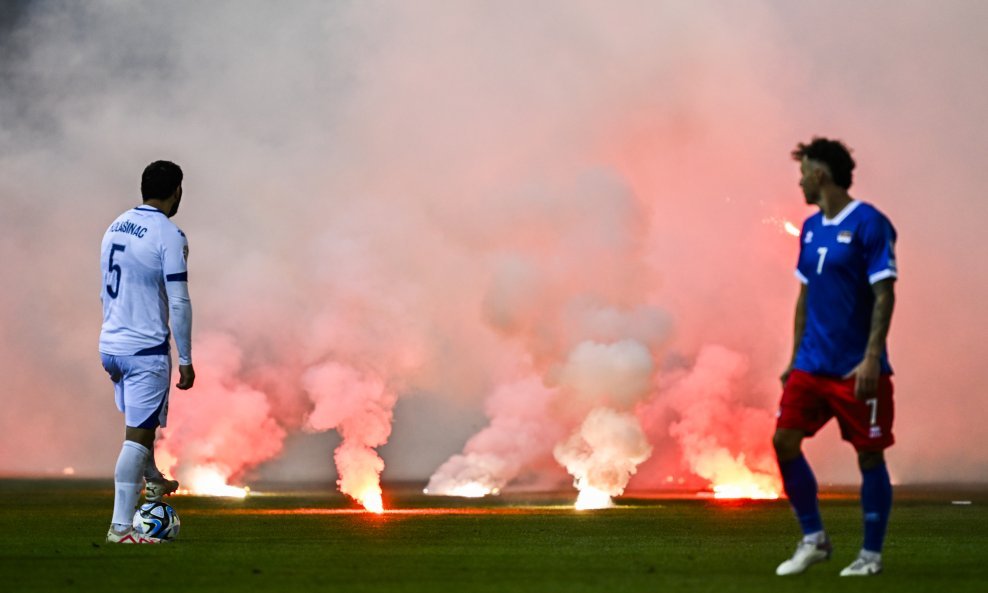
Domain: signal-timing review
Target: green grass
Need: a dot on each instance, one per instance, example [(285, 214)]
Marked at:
[(51, 538)]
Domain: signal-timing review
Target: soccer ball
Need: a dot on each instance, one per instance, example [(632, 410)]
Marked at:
[(157, 519)]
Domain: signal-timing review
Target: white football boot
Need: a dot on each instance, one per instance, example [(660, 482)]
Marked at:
[(863, 566), (807, 554), (155, 490), (130, 537)]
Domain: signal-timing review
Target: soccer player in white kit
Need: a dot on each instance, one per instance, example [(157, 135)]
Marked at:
[(145, 289)]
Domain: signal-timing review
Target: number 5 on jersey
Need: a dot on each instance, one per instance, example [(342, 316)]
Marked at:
[(114, 268)]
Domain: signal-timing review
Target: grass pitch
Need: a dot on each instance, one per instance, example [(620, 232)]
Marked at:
[(51, 539)]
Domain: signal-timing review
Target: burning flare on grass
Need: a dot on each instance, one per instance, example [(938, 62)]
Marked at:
[(358, 404), (590, 498), (522, 431), (602, 455), (207, 480), (371, 500), (731, 478), (469, 490), (716, 432), (750, 490)]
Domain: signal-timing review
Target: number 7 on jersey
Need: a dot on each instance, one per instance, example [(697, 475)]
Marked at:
[(823, 254)]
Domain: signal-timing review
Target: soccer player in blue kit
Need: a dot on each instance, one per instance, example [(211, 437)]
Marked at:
[(839, 366), (144, 290)]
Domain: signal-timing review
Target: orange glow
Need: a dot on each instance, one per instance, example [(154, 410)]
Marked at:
[(210, 481), (371, 500), (470, 490), (533, 510), (749, 490), (731, 478), (783, 225), (591, 498)]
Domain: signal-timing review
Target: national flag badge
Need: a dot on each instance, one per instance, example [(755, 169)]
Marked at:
[(844, 236)]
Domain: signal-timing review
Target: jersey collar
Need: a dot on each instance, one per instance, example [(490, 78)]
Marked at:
[(842, 215), (148, 209)]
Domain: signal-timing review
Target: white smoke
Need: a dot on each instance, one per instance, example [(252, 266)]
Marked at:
[(619, 373), (605, 451)]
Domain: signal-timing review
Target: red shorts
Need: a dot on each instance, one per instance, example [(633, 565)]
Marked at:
[(810, 401)]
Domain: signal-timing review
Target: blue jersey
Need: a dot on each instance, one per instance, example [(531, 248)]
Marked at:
[(839, 260)]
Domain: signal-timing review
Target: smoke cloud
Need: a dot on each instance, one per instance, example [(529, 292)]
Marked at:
[(605, 452), (209, 431), (360, 408), (567, 217)]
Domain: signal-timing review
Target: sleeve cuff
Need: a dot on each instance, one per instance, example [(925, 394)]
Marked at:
[(801, 278), (882, 275)]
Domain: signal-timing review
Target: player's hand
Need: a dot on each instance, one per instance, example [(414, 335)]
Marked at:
[(186, 376), (866, 378)]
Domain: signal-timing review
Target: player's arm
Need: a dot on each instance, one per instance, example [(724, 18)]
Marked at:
[(179, 303), (881, 317), (799, 325), (870, 368), (878, 241)]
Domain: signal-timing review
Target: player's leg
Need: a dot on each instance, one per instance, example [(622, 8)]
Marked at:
[(157, 486), (868, 426), (798, 480), (876, 505), (128, 477), (151, 471), (140, 395), (801, 414)]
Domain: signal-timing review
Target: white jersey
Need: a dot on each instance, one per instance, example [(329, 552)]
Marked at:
[(145, 285)]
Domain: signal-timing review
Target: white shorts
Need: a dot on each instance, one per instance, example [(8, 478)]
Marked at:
[(140, 387)]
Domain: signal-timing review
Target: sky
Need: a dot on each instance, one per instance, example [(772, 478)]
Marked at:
[(433, 239)]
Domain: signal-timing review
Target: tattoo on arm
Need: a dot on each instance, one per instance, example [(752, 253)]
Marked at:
[(881, 316)]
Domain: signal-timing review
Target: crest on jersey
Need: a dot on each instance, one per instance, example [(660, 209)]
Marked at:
[(844, 236), (809, 237)]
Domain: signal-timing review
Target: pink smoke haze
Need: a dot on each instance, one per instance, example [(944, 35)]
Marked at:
[(206, 426), (516, 447), (721, 438), (360, 408), (436, 237)]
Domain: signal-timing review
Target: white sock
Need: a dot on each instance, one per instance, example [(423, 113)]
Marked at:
[(128, 481), (817, 537)]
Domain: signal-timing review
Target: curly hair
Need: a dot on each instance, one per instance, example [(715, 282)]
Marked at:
[(832, 153)]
